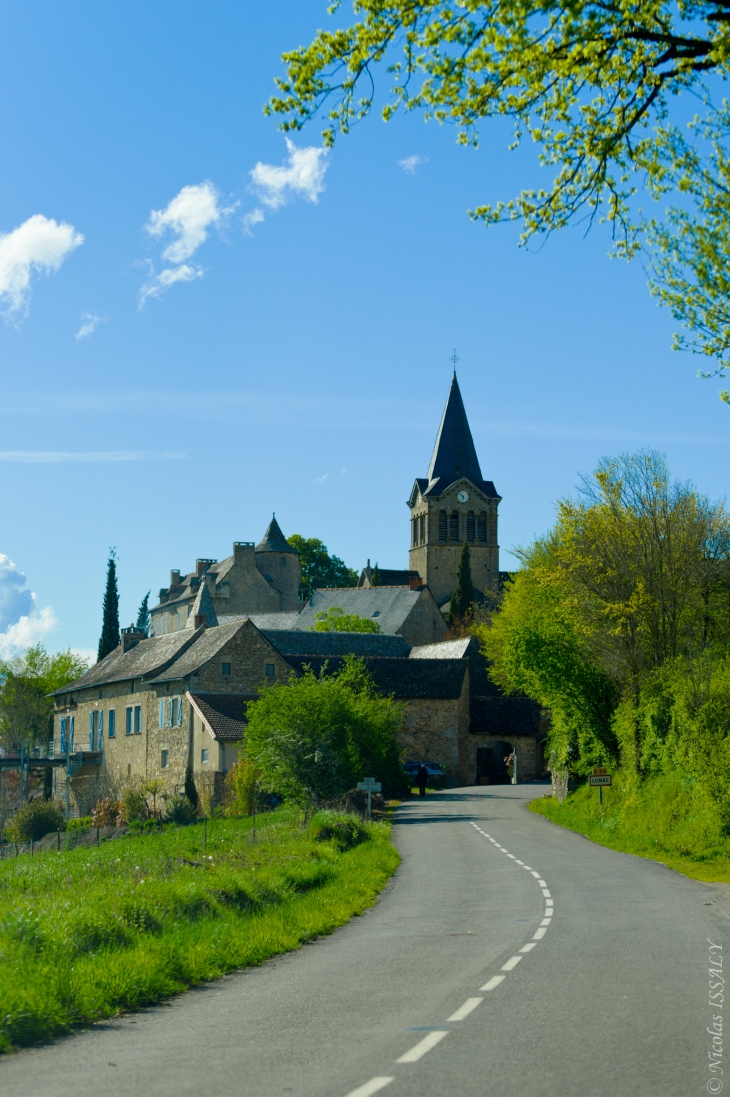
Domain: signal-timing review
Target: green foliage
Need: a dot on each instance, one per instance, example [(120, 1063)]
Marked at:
[(336, 620), (243, 783), (143, 614), (35, 819), (180, 811), (109, 638), (375, 580), (190, 790), (83, 822), (107, 812), (319, 569), (462, 600), (92, 932), (26, 711), (135, 806), (344, 830), (591, 84), (315, 738)]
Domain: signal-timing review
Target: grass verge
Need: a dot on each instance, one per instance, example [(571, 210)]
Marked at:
[(88, 933), (664, 819)]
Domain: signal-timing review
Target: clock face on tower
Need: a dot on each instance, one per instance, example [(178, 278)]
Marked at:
[(463, 496)]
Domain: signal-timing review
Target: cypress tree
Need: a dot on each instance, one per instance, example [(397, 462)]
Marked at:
[(143, 614), (462, 600), (110, 622), (375, 577)]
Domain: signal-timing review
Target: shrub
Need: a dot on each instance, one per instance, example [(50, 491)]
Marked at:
[(135, 806), (37, 818), (180, 811), (82, 823), (242, 785), (344, 830), (106, 812)]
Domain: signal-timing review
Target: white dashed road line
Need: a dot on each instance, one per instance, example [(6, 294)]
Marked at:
[(463, 1011), (436, 1036), (423, 1046)]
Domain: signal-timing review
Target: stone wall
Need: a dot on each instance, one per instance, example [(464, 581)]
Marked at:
[(425, 624), (530, 761), (434, 729)]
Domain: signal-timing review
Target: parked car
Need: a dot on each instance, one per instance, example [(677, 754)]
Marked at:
[(436, 776)]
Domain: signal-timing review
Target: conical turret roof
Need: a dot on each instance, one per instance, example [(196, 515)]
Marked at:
[(203, 604), (454, 454), (274, 540)]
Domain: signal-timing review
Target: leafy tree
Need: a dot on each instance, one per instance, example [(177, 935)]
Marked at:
[(462, 600), (319, 569), (109, 639), (26, 710), (591, 83), (143, 614), (336, 620), (36, 819), (314, 737), (375, 580)]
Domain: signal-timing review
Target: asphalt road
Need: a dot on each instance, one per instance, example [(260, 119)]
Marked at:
[(564, 969)]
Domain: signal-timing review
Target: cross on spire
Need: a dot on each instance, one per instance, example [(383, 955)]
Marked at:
[(454, 359)]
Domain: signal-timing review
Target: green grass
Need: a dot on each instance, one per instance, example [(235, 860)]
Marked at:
[(665, 819), (87, 933)]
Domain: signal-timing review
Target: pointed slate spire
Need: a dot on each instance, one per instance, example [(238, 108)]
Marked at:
[(203, 606), (274, 540), (454, 454)]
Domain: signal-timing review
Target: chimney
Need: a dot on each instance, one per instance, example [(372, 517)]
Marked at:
[(199, 620), (201, 566), (131, 636), (175, 578), (415, 582)]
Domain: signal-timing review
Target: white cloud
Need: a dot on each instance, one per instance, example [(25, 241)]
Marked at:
[(344, 472), (166, 278), (410, 163), (189, 215), (21, 623), (255, 217), (321, 479), (89, 323), (302, 175), (53, 457), (39, 244)]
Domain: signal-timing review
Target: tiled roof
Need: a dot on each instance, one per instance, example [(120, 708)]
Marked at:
[(404, 679), (389, 606), (263, 620), (326, 644), (210, 641), (274, 540), (224, 714), (146, 659)]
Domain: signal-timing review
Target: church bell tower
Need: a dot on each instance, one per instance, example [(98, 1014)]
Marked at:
[(451, 505)]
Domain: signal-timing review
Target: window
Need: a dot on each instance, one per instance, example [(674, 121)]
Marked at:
[(137, 719), (423, 529), (161, 721), (225, 669), (376, 613), (171, 712), (470, 526), (92, 729), (72, 722), (204, 755), (63, 735), (454, 525), (128, 720), (283, 561), (482, 527), (179, 712), (100, 730), (414, 532), (270, 670), (111, 730), (442, 525), (164, 759)]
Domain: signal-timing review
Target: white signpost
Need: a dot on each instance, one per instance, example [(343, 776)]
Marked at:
[(600, 779), (372, 786)]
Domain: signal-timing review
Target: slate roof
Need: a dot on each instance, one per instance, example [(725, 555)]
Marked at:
[(454, 455), (274, 540), (389, 606), (146, 660), (203, 605), (210, 641), (329, 644), (224, 714), (264, 620), (404, 679)]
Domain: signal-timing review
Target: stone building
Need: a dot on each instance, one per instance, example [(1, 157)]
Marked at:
[(453, 504), (255, 579)]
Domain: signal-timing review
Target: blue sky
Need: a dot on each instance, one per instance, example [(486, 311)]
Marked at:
[(295, 356)]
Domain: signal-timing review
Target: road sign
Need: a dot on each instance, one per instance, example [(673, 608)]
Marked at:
[(372, 786), (600, 771), (600, 780)]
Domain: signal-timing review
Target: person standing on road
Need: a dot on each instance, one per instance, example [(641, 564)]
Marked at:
[(422, 780)]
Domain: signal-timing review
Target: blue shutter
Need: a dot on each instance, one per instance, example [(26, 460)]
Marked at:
[(71, 732), (179, 712), (162, 714), (100, 730), (92, 729), (63, 735)]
